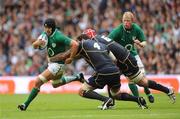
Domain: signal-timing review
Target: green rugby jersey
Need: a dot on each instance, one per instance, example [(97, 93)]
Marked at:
[(57, 43), (126, 37)]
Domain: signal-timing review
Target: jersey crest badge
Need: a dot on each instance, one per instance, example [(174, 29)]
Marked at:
[(53, 45)]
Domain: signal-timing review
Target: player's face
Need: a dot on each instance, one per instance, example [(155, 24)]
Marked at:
[(48, 30), (127, 22)]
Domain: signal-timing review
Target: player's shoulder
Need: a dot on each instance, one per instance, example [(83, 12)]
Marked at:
[(116, 30), (136, 26), (58, 32), (120, 26)]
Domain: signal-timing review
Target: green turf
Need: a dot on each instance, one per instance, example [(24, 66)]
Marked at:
[(69, 106)]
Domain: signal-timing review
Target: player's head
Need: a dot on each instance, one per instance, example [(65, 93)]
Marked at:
[(49, 26), (87, 34), (127, 19)]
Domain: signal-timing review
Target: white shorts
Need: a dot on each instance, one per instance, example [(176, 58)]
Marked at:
[(140, 74), (56, 68), (140, 64)]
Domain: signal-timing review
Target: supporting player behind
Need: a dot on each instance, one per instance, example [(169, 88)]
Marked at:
[(129, 34)]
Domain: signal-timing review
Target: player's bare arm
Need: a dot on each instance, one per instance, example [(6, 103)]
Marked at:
[(73, 51), (139, 44), (60, 56)]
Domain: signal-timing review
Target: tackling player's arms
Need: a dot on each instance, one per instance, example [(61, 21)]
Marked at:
[(73, 51), (68, 56), (60, 56)]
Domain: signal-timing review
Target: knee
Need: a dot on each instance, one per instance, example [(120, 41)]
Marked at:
[(38, 83), (81, 92), (114, 92), (143, 83), (55, 85)]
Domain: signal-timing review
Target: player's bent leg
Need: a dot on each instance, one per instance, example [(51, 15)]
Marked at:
[(86, 91), (40, 80), (127, 97), (67, 79), (156, 86), (142, 69)]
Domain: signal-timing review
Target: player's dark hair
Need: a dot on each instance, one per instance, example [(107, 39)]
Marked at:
[(82, 36)]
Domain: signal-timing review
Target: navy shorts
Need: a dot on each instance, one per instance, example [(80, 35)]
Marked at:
[(129, 67), (100, 80)]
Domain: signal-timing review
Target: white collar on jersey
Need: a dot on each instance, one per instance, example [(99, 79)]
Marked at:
[(129, 31), (53, 33)]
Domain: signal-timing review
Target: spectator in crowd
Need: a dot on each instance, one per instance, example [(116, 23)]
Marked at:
[(21, 19)]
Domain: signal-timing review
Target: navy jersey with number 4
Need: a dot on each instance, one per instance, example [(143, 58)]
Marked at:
[(119, 51), (96, 54)]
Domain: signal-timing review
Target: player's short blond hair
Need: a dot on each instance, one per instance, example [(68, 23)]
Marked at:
[(128, 15)]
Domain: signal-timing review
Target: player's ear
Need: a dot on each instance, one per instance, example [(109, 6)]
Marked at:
[(82, 36)]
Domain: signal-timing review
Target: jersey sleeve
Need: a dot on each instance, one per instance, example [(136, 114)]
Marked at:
[(64, 39), (113, 35), (141, 37)]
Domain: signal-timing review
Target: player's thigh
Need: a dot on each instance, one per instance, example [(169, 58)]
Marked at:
[(96, 81), (86, 86), (47, 74), (42, 78), (56, 69), (136, 78), (114, 83)]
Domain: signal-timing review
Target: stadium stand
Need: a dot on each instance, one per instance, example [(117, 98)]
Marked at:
[(21, 23)]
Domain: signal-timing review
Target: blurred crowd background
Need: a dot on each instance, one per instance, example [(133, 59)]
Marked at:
[(21, 22)]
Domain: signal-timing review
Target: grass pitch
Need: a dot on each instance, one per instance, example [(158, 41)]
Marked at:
[(72, 106)]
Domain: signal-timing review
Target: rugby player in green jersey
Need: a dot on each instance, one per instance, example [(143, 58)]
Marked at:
[(130, 35), (55, 42)]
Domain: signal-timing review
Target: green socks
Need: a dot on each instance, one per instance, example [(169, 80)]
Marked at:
[(32, 95), (67, 79), (134, 89), (135, 92), (147, 91)]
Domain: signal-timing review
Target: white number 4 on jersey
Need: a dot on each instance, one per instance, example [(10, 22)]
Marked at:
[(96, 45)]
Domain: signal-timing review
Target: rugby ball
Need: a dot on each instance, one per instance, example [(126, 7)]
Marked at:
[(44, 38)]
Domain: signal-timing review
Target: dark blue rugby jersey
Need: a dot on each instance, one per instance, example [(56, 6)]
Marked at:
[(119, 51), (96, 54)]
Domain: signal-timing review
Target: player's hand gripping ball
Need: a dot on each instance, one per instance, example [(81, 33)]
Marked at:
[(43, 41)]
